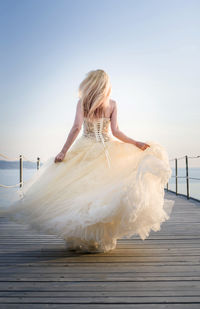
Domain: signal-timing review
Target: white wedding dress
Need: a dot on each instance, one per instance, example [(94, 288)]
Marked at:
[(104, 189)]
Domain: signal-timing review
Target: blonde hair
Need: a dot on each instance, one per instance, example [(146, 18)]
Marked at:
[(94, 92)]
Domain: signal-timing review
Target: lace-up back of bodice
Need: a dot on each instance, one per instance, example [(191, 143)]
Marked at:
[(97, 129)]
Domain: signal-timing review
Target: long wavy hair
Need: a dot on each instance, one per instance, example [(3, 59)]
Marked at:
[(94, 92)]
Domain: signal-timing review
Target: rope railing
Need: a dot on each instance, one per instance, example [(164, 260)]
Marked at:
[(11, 186), (178, 158), (21, 157), (14, 159), (186, 157)]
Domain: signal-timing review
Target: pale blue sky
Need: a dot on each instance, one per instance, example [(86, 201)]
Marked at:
[(150, 49)]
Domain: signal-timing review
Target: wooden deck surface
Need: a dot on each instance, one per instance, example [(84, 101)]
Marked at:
[(163, 271)]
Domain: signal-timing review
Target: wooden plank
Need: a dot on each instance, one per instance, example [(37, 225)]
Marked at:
[(103, 300), (134, 293), (108, 268), (100, 286), (100, 306)]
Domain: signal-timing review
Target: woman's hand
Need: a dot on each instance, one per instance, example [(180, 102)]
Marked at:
[(59, 157), (141, 145)]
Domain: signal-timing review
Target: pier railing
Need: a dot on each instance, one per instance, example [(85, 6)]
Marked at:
[(21, 159), (176, 176)]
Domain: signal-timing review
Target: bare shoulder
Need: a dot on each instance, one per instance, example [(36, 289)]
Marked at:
[(79, 106), (112, 102), (113, 105), (79, 102)]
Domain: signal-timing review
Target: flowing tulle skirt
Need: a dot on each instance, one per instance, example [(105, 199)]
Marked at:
[(90, 205)]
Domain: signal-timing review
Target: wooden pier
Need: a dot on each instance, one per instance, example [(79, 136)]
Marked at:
[(36, 271)]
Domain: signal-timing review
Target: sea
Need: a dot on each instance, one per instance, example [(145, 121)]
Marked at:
[(11, 177), (194, 184)]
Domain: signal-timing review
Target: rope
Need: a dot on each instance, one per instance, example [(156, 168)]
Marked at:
[(194, 157), (186, 177), (7, 158), (28, 159), (191, 157), (177, 158), (14, 159), (12, 186)]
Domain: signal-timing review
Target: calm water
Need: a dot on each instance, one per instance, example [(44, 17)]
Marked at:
[(11, 177), (194, 185)]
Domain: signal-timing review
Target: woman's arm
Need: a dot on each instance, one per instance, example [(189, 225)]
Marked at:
[(119, 134), (73, 132)]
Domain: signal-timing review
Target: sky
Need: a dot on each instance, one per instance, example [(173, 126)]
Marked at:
[(149, 48)]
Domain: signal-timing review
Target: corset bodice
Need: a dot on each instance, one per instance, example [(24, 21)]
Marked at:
[(99, 131)]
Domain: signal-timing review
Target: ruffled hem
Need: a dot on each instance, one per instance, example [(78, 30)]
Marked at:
[(94, 217)]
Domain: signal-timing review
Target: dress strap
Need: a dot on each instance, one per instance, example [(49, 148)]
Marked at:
[(98, 126)]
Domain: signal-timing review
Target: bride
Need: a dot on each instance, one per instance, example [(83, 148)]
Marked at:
[(97, 189)]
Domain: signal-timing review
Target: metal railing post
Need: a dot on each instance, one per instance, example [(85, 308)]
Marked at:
[(20, 171), (187, 177), (176, 168), (38, 163)]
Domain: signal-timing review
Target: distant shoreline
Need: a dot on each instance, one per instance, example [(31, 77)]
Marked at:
[(15, 164)]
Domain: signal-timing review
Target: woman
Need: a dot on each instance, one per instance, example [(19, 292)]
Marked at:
[(99, 189)]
